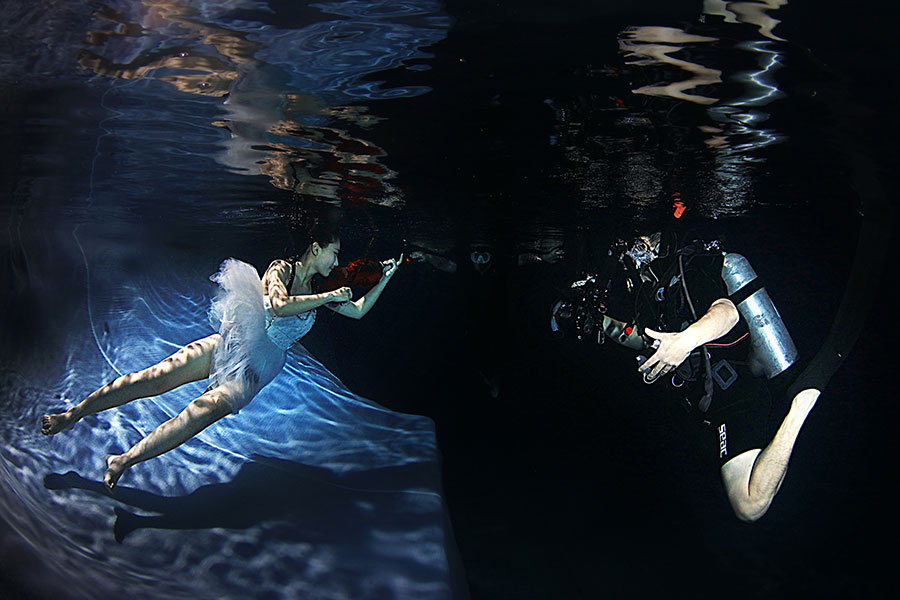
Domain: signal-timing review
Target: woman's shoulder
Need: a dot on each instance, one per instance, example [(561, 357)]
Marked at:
[(279, 270), (280, 266)]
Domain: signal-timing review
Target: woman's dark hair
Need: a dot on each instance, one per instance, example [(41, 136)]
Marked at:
[(323, 234), (307, 228)]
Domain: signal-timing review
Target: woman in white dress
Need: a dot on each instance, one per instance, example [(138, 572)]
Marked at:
[(257, 320)]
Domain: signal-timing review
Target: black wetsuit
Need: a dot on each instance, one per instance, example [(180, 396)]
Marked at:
[(737, 419)]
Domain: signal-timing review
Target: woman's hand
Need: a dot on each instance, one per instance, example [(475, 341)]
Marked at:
[(341, 295), (671, 350), (390, 266), (359, 308)]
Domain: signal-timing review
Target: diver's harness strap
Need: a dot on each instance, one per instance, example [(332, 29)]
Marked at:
[(723, 373), (745, 292), (706, 400), (772, 351), (584, 306), (685, 370)]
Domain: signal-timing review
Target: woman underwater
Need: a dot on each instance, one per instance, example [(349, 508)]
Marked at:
[(257, 322)]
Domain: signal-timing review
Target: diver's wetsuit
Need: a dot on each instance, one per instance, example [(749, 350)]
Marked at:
[(737, 419)]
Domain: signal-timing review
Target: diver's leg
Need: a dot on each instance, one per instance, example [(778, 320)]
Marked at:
[(211, 406), (754, 477), (191, 363)]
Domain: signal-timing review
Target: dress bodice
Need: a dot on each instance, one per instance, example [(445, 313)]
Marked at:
[(284, 332)]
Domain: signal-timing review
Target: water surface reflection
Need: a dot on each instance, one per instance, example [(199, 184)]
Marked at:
[(321, 494), (291, 107), (715, 63)]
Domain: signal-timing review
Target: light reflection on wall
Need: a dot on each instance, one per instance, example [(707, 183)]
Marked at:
[(656, 45), (187, 65), (737, 132), (689, 118), (335, 166), (292, 136), (613, 152), (753, 13)]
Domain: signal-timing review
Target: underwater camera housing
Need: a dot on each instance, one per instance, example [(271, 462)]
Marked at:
[(581, 310)]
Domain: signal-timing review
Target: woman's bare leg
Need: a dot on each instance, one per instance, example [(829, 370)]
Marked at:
[(211, 406), (191, 363)]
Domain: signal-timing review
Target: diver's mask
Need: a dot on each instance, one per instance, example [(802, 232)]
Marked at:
[(480, 257), (641, 252)]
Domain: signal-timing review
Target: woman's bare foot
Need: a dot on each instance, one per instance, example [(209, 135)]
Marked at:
[(51, 424), (115, 466)]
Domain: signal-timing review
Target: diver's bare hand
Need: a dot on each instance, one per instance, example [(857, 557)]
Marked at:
[(671, 350)]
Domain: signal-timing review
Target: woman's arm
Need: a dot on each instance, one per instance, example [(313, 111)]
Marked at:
[(357, 309), (674, 348), (285, 305)]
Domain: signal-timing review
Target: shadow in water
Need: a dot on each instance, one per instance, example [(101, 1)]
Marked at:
[(319, 504)]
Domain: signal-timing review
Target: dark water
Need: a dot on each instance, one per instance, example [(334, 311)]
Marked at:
[(146, 142)]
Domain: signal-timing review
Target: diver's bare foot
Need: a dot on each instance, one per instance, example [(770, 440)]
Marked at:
[(115, 466), (51, 424), (806, 400)]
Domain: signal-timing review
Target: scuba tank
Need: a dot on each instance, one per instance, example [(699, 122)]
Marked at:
[(772, 349)]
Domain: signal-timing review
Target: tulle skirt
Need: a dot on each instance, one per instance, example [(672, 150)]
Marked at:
[(245, 360)]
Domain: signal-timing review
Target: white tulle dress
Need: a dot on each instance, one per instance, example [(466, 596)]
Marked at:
[(254, 340)]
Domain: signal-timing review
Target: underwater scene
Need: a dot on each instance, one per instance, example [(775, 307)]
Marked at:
[(446, 299)]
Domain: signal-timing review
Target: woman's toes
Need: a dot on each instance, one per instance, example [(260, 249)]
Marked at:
[(51, 424), (113, 471)]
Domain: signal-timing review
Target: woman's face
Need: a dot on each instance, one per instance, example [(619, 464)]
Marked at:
[(327, 257)]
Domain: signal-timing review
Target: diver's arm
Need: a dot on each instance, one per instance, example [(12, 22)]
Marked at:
[(285, 305), (357, 309), (674, 348), (721, 317)]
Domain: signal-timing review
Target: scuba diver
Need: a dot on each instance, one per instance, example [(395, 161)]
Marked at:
[(701, 321)]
